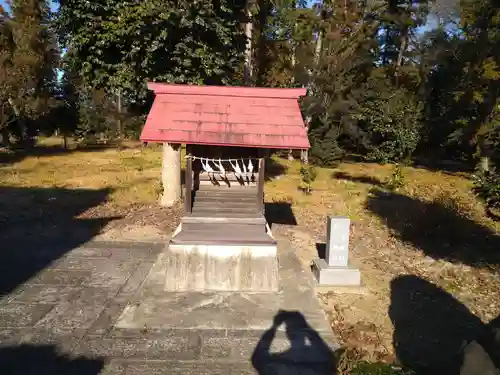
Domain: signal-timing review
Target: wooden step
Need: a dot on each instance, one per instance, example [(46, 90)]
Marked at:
[(231, 205), (211, 226), (216, 205), (226, 199), (230, 176), (226, 186), (224, 210), (224, 235), (237, 190), (225, 215), (256, 220)]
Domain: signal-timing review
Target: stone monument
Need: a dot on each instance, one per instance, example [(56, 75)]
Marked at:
[(334, 270)]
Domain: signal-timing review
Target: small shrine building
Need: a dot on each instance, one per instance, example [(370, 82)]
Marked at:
[(228, 132)]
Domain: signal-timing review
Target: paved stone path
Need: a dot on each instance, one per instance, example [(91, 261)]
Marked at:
[(87, 313)]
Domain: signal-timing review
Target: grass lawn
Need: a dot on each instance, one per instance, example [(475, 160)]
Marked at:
[(432, 229), (132, 173)]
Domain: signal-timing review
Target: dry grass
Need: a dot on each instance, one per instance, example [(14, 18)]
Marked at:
[(433, 229), (133, 174), (53, 187), (345, 189)]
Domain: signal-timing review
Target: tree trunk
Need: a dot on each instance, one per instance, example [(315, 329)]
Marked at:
[(484, 155), (304, 154), (119, 107), (484, 164), (261, 48), (402, 50), (317, 49), (248, 48)]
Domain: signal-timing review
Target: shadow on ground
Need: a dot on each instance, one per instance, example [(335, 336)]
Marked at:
[(438, 164), (361, 179), (321, 250), (273, 169), (38, 226), (45, 360), (279, 213), (436, 334), (17, 155), (308, 352), (440, 231)]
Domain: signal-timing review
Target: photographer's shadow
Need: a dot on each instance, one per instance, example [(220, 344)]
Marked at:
[(308, 353), (435, 334)]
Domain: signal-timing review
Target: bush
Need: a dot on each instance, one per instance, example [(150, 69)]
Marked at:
[(487, 187), (308, 175), (397, 179), (325, 147), (390, 118)]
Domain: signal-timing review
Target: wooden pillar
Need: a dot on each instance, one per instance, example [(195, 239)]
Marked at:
[(171, 174), (260, 186), (188, 191)]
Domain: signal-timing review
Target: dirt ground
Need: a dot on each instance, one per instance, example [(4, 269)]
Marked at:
[(429, 257)]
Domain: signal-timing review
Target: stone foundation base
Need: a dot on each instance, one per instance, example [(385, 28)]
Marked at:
[(215, 268), (335, 276)]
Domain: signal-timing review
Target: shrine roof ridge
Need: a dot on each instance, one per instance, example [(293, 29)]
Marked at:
[(234, 91)]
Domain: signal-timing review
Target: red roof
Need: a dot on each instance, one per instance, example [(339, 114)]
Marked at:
[(226, 116)]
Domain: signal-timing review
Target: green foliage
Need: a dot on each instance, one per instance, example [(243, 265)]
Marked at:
[(391, 120), (325, 148), (397, 179), (97, 117), (120, 45), (308, 176), (487, 187)]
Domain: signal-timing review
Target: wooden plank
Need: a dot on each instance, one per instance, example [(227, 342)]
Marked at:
[(188, 203)]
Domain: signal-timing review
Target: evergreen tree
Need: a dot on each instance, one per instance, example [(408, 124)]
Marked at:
[(345, 60), (118, 46), (28, 62)]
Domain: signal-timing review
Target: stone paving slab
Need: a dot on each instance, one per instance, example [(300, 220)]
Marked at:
[(60, 277), (188, 368), (156, 309), (90, 312)]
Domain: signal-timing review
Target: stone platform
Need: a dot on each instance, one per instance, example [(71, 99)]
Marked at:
[(219, 254), (214, 268), (90, 311)]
